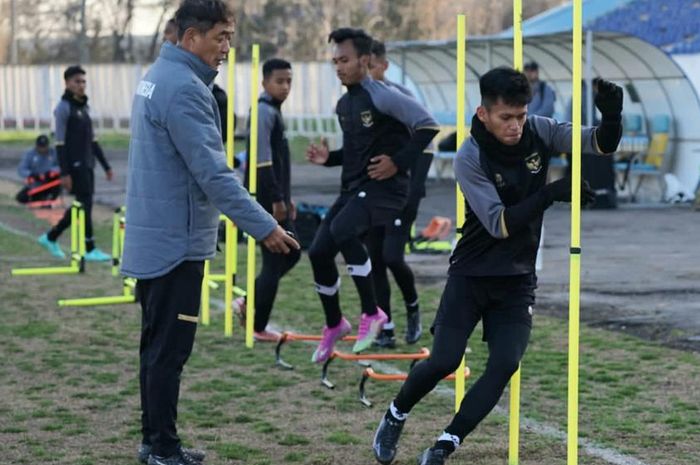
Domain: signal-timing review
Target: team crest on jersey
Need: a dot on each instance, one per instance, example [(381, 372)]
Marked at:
[(534, 163), (367, 120)]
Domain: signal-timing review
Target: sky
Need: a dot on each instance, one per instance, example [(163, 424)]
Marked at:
[(145, 19)]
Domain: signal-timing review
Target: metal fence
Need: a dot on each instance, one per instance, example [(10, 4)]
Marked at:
[(28, 95)]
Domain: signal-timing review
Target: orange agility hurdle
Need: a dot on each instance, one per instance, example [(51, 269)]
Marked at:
[(289, 336), (370, 373), (414, 357)]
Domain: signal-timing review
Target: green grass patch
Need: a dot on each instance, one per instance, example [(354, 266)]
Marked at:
[(110, 140), (72, 378)]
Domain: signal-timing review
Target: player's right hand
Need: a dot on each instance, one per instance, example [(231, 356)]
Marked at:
[(318, 153), (560, 191), (279, 241)]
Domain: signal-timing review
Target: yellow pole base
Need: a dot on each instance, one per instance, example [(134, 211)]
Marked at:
[(94, 301), (46, 271)]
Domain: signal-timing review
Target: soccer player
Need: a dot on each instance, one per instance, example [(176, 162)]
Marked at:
[(387, 243), (383, 133), (273, 193), (502, 171)]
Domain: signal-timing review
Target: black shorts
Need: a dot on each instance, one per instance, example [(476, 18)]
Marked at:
[(497, 300), (363, 201)]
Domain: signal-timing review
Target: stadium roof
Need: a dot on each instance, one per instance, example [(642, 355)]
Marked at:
[(559, 19), (671, 25)]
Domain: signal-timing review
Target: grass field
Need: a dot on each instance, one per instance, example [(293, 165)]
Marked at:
[(120, 141), (69, 390)]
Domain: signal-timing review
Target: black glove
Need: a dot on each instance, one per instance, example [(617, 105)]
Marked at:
[(588, 195), (560, 191), (608, 100)]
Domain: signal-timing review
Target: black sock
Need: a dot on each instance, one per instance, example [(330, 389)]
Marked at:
[(412, 308)]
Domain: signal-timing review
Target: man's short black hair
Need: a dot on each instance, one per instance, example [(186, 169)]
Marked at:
[(360, 39), (171, 23), (72, 71), (202, 15), (531, 66), (274, 63), (507, 84), (378, 49)]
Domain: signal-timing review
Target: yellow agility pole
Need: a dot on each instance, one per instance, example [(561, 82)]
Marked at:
[(253, 188), (575, 252), (231, 236), (205, 292), (128, 284), (518, 34), (461, 136), (81, 238), (116, 253), (77, 252), (514, 403)]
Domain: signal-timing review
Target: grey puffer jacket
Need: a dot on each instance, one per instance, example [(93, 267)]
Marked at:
[(178, 180)]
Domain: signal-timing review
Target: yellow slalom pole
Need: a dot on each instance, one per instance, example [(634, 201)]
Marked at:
[(74, 232), (253, 188), (205, 294), (81, 239), (514, 404), (230, 239), (518, 34), (461, 136), (115, 242), (575, 252)]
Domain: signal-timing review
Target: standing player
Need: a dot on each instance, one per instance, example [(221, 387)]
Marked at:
[(502, 171), (387, 243), (274, 192), (384, 132), (77, 149)]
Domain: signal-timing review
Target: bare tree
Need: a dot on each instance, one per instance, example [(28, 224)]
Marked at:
[(166, 10), (6, 35), (68, 30)]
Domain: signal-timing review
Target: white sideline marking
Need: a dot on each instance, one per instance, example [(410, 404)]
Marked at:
[(18, 232)]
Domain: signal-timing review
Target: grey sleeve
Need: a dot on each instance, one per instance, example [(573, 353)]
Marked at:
[(557, 135), (404, 90), (479, 191), (61, 114), (197, 139), (266, 121), (405, 109)]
